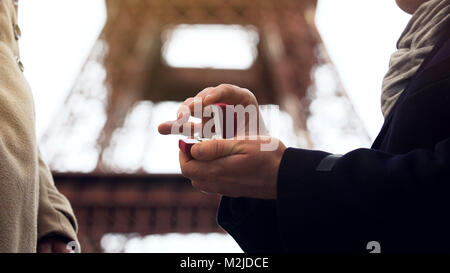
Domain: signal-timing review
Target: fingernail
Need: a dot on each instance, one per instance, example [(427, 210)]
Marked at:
[(198, 149)]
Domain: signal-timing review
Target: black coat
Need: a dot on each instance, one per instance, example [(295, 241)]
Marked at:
[(396, 193)]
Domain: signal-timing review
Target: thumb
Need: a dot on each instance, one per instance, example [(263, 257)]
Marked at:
[(215, 149)]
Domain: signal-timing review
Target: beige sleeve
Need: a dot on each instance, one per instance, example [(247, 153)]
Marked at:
[(55, 215)]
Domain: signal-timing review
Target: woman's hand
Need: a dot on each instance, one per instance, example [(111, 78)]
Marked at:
[(53, 244), (234, 168)]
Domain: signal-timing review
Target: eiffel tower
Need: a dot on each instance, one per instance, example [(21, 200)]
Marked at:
[(103, 147)]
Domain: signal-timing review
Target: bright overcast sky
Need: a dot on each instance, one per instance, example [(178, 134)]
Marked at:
[(360, 36)]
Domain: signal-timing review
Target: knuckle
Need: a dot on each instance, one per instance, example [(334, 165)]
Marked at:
[(207, 89), (250, 93), (188, 101), (225, 86)]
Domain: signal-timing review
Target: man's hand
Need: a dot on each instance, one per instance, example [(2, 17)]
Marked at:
[(224, 93), (234, 168), (53, 244)]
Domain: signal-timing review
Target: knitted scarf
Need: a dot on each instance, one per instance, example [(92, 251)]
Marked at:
[(423, 31)]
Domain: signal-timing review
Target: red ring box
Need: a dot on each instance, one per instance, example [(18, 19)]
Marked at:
[(186, 145)]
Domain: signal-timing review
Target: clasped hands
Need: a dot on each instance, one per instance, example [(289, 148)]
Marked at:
[(231, 167)]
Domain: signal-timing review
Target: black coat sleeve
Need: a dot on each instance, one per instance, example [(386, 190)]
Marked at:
[(401, 201)]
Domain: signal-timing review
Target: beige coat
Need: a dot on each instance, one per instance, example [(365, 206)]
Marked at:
[(30, 205)]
